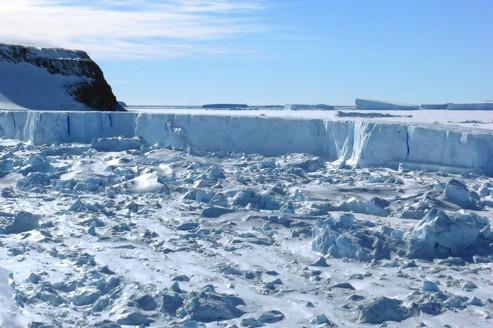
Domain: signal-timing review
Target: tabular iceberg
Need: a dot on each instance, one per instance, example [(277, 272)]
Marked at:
[(379, 105), (354, 142)]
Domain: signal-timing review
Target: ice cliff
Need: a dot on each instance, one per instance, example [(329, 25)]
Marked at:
[(354, 142), (52, 79)]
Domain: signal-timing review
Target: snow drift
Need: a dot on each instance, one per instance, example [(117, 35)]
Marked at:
[(52, 79), (354, 142)]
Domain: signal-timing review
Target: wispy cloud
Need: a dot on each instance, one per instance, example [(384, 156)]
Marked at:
[(130, 28)]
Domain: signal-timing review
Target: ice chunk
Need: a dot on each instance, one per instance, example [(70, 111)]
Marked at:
[(86, 296), (441, 235), (271, 316), (456, 192), (209, 305), (375, 206), (145, 183), (18, 223), (215, 212), (485, 189), (340, 245), (383, 309), (430, 286), (36, 164), (134, 319)]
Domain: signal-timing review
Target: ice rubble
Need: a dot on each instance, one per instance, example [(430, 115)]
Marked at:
[(232, 233), (354, 142)]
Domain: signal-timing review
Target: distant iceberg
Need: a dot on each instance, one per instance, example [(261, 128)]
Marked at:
[(379, 105), (308, 107), (471, 106), (434, 106)]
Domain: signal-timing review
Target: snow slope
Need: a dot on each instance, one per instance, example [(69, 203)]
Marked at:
[(51, 79), (356, 142), (24, 86)]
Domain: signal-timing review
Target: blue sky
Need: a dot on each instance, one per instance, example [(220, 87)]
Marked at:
[(272, 52)]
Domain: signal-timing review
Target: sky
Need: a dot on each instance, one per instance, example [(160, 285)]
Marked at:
[(192, 52)]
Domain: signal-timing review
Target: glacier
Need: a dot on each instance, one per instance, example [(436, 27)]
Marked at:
[(364, 143)]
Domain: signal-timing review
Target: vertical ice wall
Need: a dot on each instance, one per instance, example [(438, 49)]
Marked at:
[(267, 136), (355, 142), (62, 127)]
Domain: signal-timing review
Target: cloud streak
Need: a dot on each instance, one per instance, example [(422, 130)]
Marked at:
[(131, 28)]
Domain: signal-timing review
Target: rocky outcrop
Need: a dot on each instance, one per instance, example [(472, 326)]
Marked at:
[(75, 72)]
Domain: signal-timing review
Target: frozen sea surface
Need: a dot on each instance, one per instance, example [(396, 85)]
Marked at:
[(123, 234)]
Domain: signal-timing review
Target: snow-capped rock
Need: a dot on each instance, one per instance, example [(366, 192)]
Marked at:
[(52, 79)]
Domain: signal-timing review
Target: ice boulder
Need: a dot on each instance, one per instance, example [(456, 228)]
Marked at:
[(456, 192), (374, 206), (340, 245), (36, 164), (52, 79), (146, 183), (485, 189), (209, 305), (346, 238), (383, 309), (442, 235), (377, 105), (18, 223), (6, 166)]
